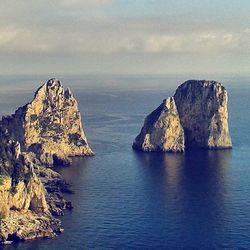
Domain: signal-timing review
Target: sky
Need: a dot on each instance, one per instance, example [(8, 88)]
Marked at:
[(124, 36)]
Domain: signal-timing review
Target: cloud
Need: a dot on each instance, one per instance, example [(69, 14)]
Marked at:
[(29, 4), (108, 39), (7, 35), (161, 43), (64, 26), (21, 40), (90, 31), (197, 42), (87, 3)]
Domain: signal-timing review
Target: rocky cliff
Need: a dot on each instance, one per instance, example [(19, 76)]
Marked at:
[(162, 130), (202, 107), (42, 133), (24, 211), (50, 125), (197, 114)]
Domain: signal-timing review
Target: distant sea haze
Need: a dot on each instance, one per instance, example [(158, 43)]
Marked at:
[(129, 200)]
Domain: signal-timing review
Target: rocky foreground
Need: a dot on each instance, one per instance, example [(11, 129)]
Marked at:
[(196, 117), (41, 134)]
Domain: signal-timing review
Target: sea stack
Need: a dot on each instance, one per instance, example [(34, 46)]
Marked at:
[(162, 130), (196, 117), (202, 107), (50, 125)]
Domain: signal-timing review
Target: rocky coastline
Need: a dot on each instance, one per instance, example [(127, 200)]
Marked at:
[(48, 131), (44, 133)]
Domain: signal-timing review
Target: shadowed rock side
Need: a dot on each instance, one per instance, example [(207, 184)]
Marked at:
[(50, 125), (200, 116), (162, 130), (202, 107)]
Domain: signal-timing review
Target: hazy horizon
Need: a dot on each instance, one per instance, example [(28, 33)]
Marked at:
[(125, 37)]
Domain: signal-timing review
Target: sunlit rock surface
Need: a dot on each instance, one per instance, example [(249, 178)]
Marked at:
[(50, 125), (202, 107), (42, 133), (162, 130), (24, 211), (196, 116)]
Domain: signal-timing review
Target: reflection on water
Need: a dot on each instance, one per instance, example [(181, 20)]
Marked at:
[(195, 187)]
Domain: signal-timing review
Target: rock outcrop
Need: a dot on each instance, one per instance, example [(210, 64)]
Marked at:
[(202, 107), (50, 125), (26, 194), (24, 211), (39, 135), (28, 226), (196, 116), (162, 130)]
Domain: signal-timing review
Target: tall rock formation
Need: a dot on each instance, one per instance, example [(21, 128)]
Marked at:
[(44, 132), (202, 107), (50, 125), (162, 130), (24, 212), (199, 117)]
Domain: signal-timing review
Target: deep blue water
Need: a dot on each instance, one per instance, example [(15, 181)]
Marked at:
[(129, 200)]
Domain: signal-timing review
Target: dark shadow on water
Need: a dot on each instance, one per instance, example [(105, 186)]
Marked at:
[(194, 193), (71, 173)]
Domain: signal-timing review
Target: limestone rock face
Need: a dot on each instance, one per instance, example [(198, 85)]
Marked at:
[(20, 188), (26, 207), (44, 132), (50, 125), (28, 226), (196, 116), (24, 211), (202, 107), (25, 195), (162, 130)]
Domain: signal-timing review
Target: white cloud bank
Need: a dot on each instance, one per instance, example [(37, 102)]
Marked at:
[(201, 42), (83, 2), (90, 38), (48, 41)]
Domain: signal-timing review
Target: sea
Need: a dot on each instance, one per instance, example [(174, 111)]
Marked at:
[(125, 199)]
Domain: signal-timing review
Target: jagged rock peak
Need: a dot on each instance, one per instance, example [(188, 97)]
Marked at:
[(54, 82), (53, 90), (202, 107), (50, 125), (162, 130), (45, 131)]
